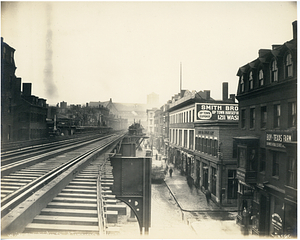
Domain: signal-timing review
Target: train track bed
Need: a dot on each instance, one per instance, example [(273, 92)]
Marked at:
[(85, 206), (17, 180)]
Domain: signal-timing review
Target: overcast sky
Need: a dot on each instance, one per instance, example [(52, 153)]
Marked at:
[(79, 52)]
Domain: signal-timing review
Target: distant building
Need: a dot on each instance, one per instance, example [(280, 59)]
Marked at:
[(133, 112), (153, 100), (150, 120)]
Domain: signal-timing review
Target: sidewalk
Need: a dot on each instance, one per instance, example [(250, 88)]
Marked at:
[(193, 200)]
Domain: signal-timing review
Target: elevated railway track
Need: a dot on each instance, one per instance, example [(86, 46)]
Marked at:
[(68, 192)]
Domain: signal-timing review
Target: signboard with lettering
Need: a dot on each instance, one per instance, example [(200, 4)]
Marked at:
[(276, 139), (221, 112)]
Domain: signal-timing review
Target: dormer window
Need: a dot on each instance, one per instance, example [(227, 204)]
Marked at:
[(288, 66), (4, 53), (251, 80), (11, 56), (261, 77), (242, 84), (274, 71)]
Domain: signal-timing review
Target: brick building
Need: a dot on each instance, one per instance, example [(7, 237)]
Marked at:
[(23, 116), (200, 132), (266, 151)]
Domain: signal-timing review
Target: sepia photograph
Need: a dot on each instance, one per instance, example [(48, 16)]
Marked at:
[(149, 120)]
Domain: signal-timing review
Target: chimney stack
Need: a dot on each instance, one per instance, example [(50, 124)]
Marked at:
[(207, 94), (27, 89), (232, 97), (225, 91), (295, 30)]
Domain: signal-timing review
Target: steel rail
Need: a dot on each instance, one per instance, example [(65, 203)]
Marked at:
[(32, 148), (12, 200), (42, 148), (17, 164)]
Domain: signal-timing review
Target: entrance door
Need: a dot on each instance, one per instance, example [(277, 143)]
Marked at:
[(205, 176), (197, 174), (264, 218)]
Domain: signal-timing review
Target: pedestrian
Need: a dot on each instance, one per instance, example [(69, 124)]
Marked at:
[(208, 196), (171, 171), (190, 183)]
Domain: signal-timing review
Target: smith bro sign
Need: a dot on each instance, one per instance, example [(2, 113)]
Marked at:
[(212, 111)]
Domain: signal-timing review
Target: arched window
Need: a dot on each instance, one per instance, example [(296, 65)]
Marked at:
[(242, 84), (274, 71), (261, 77), (251, 80), (288, 66)]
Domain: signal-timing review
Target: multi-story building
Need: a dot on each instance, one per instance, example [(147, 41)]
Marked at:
[(201, 131), (267, 148), (23, 116), (10, 91), (152, 100), (158, 130)]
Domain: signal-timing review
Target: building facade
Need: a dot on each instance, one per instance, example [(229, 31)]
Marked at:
[(266, 150), (23, 115), (200, 132)]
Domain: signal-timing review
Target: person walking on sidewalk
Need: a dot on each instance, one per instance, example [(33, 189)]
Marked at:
[(171, 171), (208, 196)]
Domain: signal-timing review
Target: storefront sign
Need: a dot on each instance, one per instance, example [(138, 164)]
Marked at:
[(275, 139), (223, 112), (277, 223)]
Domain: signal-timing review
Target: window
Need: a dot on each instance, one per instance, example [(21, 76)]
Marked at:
[(242, 157), (275, 168), (262, 167), (274, 71), (261, 77), (288, 66), (232, 185), (277, 113), (4, 53), (204, 145), (9, 105), (213, 180), (180, 138), (193, 115), (292, 117), (252, 117), (201, 145), (11, 56), (251, 80), (291, 174), (263, 114), (216, 148), (242, 84), (243, 118), (185, 138), (208, 146), (191, 138)]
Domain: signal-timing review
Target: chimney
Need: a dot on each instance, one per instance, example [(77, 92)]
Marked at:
[(232, 97), (225, 91), (27, 89), (295, 30), (207, 94)]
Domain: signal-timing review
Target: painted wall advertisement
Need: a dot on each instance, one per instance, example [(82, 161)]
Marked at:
[(212, 111), (276, 139)]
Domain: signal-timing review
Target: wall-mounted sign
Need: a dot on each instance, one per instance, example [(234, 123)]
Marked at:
[(212, 111), (276, 139)]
